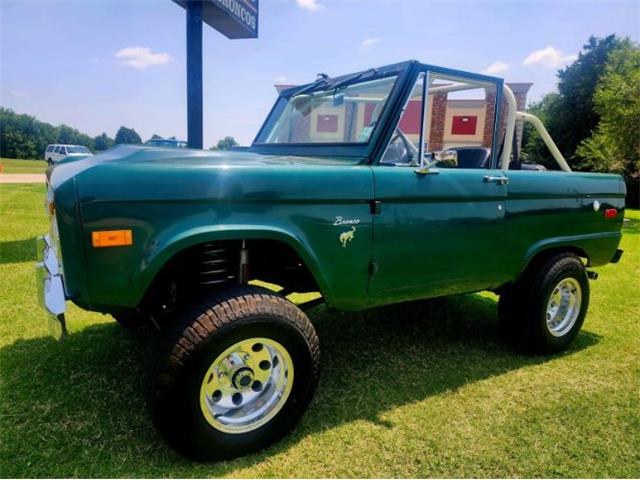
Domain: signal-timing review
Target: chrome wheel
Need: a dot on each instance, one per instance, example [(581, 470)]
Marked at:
[(246, 385), (563, 307)]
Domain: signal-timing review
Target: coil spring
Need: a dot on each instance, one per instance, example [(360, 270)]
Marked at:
[(217, 265)]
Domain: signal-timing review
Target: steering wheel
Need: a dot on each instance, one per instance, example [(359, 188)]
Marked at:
[(410, 151)]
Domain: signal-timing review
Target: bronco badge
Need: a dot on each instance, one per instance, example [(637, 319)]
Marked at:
[(346, 237)]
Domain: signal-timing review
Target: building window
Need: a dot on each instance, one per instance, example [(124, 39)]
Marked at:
[(464, 125), (327, 124)]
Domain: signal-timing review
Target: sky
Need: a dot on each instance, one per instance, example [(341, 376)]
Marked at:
[(98, 64)]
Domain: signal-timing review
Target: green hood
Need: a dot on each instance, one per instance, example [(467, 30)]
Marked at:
[(140, 173)]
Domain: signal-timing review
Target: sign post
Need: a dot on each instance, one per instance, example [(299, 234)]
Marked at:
[(234, 19), (194, 74)]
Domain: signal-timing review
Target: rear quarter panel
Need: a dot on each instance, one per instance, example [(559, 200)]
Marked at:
[(556, 209)]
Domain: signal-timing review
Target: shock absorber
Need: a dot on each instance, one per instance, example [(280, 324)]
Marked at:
[(243, 276)]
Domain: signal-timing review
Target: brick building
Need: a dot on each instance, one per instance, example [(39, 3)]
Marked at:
[(453, 121)]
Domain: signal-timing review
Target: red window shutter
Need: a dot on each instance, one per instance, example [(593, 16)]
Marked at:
[(464, 125), (327, 123)]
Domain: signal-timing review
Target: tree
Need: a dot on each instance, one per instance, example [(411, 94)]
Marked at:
[(103, 142), (127, 136), (155, 136), (570, 116), (24, 136), (614, 145), (534, 149), (227, 143)]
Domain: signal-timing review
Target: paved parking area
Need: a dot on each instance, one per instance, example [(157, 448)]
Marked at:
[(22, 178)]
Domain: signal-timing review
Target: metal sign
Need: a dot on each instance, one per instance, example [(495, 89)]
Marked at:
[(232, 18)]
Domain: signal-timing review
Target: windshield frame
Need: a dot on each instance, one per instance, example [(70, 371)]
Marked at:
[(346, 149)]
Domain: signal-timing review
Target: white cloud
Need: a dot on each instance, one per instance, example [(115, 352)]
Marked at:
[(142, 57), (369, 42), (496, 67), (18, 93), (548, 57), (311, 5), (280, 79)]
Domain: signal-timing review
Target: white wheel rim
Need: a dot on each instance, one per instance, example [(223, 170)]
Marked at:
[(563, 307), (246, 385)]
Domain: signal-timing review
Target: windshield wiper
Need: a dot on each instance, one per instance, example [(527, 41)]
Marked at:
[(323, 78), (353, 78)]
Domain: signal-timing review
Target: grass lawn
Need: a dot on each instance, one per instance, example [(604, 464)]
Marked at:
[(11, 165), (422, 390)]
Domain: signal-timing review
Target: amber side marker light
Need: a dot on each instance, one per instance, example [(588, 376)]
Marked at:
[(610, 213), (112, 238)]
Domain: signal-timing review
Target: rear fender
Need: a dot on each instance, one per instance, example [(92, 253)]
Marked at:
[(598, 248)]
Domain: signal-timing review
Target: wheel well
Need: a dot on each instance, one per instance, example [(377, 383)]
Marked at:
[(538, 259), (203, 267), (542, 256)]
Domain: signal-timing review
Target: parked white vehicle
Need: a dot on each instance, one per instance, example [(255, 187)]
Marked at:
[(56, 152)]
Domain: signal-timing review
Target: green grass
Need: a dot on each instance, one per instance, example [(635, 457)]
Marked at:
[(422, 390), (11, 165)]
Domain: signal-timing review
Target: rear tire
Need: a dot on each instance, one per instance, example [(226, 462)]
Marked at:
[(544, 310), (239, 370)]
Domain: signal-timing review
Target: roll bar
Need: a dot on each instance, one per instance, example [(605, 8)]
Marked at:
[(512, 116), (548, 141)]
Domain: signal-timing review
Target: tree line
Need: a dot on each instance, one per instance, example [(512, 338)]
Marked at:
[(594, 117), (24, 136)]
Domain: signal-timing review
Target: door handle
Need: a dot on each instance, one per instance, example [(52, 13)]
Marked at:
[(499, 180)]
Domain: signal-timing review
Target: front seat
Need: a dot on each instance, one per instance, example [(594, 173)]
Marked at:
[(472, 157)]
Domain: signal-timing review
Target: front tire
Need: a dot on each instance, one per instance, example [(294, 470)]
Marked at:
[(240, 369), (545, 309)]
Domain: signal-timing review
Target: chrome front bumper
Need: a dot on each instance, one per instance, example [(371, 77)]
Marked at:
[(50, 285)]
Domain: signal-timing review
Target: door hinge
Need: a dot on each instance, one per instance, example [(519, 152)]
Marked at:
[(376, 207)]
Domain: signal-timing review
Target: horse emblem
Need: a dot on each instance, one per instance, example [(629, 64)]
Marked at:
[(346, 237)]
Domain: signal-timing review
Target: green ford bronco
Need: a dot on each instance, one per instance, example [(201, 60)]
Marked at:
[(393, 184)]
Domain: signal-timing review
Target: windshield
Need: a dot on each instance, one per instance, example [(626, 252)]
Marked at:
[(338, 113), (78, 150)]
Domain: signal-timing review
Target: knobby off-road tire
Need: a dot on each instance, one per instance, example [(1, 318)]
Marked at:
[(544, 310), (239, 370)]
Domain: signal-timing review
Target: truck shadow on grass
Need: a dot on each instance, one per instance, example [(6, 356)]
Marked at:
[(17, 251), (77, 407)]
